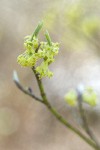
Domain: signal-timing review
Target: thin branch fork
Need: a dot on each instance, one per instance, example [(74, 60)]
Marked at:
[(84, 118), (26, 91), (59, 117), (45, 101)]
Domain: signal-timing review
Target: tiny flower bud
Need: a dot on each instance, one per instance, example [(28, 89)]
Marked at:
[(90, 97), (71, 98)]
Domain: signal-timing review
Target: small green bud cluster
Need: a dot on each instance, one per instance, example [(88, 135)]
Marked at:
[(88, 96), (47, 52), (36, 50), (29, 57), (71, 98)]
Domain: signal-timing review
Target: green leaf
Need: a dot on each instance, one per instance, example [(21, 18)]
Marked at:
[(48, 38), (37, 30)]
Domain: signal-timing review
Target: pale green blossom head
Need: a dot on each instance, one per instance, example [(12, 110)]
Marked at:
[(36, 50), (88, 96), (71, 98)]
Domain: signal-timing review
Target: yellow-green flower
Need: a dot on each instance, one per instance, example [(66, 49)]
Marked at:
[(35, 50), (71, 98), (90, 97)]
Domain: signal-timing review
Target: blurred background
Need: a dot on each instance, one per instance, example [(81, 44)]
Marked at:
[(24, 123)]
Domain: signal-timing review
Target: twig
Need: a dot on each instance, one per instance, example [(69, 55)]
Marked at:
[(58, 116), (28, 92), (84, 119)]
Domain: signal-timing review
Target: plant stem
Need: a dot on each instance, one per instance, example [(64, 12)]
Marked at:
[(58, 116), (84, 119), (26, 91)]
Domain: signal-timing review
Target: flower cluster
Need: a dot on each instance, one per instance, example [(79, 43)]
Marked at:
[(36, 51), (29, 57), (71, 98), (88, 96), (47, 52)]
